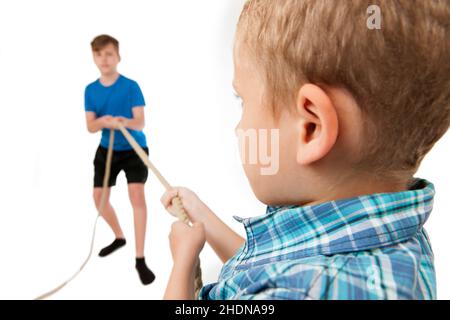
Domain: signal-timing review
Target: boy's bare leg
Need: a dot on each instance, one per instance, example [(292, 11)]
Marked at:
[(137, 199), (108, 213)]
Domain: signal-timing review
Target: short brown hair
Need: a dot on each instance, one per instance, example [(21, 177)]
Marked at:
[(399, 75), (102, 41)]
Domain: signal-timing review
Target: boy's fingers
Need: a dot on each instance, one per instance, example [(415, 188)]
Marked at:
[(172, 211), (167, 200), (167, 197), (178, 226)]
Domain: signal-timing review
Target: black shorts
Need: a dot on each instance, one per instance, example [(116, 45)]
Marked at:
[(135, 170)]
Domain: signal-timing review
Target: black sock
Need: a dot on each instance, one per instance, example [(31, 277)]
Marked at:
[(118, 243), (145, 274)]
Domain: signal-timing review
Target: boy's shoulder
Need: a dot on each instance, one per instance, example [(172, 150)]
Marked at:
[(92, 86), (366, 247), (128, 81)]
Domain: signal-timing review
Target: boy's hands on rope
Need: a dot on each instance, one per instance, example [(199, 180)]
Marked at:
[(196, 210), (95, 124), (186, 243), (110, 122), (224, 241), (124, 121)]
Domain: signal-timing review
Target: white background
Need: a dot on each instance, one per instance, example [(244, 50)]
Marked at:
[(180, 52)]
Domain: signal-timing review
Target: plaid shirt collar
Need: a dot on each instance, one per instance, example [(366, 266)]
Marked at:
[(341, 226)]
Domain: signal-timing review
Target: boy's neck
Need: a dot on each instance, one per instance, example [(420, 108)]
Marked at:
[(362, 187), (110, 78)]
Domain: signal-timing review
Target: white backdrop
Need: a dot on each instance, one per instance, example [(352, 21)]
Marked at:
[(180, 52)]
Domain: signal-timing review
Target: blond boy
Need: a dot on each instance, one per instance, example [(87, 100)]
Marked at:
[(357, 109)]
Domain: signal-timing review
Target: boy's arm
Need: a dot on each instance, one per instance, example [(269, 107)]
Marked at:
[(181, 283), (138, 121), (186, 243), (224, 241), (95, 124)]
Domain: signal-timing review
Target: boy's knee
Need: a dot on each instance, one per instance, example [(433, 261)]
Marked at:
[(137, 200), (97, 196)]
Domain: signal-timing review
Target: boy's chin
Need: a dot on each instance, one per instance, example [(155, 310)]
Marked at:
[(267, 196), (261, 187), (106, 71), (272, 196)]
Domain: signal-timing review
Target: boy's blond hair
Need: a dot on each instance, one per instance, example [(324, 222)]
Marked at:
[(399, 75)]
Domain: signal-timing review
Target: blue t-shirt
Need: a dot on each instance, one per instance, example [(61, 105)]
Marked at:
[(116, 100)]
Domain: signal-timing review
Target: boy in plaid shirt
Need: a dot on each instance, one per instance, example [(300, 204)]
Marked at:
[(356, 109)]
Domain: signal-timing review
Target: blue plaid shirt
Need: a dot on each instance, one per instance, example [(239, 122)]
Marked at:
[(367, 247)]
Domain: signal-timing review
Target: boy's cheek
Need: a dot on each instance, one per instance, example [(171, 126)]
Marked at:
[(269, 160)]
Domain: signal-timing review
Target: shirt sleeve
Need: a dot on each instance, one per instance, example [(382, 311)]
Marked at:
[(137, 98), (298, 282), (349, 279), (88, 105)]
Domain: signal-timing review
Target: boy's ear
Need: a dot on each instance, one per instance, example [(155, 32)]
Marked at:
[(318, 122)]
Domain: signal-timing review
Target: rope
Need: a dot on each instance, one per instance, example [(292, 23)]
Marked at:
[(100, 210), (176, 203)]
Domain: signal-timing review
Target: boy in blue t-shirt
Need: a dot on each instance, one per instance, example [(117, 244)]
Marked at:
[(110, 100)]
